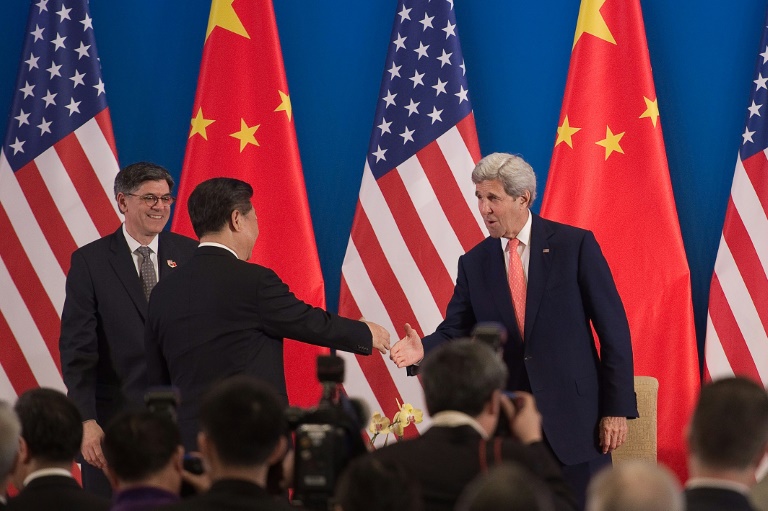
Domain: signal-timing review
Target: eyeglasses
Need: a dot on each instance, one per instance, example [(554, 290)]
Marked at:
[(151, 199)]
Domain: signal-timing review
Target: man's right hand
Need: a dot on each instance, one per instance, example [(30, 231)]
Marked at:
[(380, 336), (91, 446), (408, 350), (524, 417)]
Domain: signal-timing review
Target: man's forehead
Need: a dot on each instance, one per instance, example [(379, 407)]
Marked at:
[(160, 184), (490, 187)]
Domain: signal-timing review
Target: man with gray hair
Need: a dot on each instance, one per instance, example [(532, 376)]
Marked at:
[(102, 323), (549, 285), (10, 431), (635, 486)]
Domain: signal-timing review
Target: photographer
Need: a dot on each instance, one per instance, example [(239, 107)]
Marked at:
[(144, 460), (463, 382)]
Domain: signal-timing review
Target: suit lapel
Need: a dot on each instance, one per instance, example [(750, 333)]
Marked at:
[(538, 270), (166, 255), (122, 263)]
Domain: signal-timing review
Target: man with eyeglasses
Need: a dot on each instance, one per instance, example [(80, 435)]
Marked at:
[(102, 323)]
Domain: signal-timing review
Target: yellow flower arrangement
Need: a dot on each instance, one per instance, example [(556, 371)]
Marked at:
[(405, 416)]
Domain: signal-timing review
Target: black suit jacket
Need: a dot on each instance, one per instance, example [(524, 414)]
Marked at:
[(56, 492), (569, 286), (445, 459), (219, 316), (102, 323), (232, 495), (716, 499)]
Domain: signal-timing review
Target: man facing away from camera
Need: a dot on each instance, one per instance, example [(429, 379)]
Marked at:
[(219, 315), (463, 382), (102, 323), (549, 285)]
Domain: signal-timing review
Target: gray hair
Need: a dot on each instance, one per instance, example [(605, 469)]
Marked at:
[(515, 174), (635, 486), (10, 432), (461, 375), (130, 178)]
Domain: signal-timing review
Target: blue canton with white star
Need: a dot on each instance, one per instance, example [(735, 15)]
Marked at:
[(755, 136), (424, 90), (59, 84)]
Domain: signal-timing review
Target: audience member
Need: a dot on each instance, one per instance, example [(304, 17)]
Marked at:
[(368, 484), (727, 439), (635, 486), (241, 434), (10, 430), (462, 383), (506, 487), (51, 432), (144, 460)]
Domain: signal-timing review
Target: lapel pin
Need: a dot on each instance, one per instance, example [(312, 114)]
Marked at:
[(171, 263), (546, 251)]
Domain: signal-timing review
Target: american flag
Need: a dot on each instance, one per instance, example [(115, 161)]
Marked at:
[(417, 212), (737, 323), (57, 166)]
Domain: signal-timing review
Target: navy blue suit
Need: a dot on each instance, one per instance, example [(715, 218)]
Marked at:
[(569, 285)]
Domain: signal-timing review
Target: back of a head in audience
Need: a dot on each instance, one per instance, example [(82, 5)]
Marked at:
[(143, 449), (368, 484), (461, 376), (10, 431), (51, 430), (729, 429), (635, 486), (506, 487), (242, 427)]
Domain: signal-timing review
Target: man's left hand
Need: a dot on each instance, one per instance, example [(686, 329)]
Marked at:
[(613, 433)]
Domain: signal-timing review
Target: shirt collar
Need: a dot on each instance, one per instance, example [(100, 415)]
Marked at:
[(214, 244), (711, 482), (524, 235), (454, 419), (133, 244), (44, 472)]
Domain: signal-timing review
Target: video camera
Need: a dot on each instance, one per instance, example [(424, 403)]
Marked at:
[(327, 437)]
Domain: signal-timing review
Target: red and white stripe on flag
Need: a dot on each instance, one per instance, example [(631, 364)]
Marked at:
[(57, 168), (737, 323), (416, 212)]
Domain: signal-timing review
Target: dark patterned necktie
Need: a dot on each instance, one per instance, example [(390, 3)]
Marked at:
[(146, 271)]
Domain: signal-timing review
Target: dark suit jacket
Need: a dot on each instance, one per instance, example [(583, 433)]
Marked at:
[(219, 316), (56, 492), (716, 499), (232, 495), (569, 285), (445, 459), (102, 323)]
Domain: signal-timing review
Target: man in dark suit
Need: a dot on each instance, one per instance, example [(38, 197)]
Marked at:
[(727, 440), (463, 382), (102, 323), (564, 288), (51, 432), (220, 315), (242, 433), (10, 432)]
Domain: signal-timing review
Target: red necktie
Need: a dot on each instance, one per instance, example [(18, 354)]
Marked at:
[(517, 286)]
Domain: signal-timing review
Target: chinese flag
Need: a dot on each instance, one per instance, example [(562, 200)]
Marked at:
[(609, 174), (242, 127)]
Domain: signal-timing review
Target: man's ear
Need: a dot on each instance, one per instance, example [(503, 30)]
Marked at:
[(278, 453), (526, 198), (121, 205), (178, 459), (493, 405), (24, 456)]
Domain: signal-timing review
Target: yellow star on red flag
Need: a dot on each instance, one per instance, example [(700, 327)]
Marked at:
[(611, 142), (223, 15), (564, 133), (199, 123), (285, 104), (246, 135), (591, 22), (651, 110)]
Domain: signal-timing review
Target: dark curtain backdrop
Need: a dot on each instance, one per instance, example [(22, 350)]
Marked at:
[(516, 53)]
